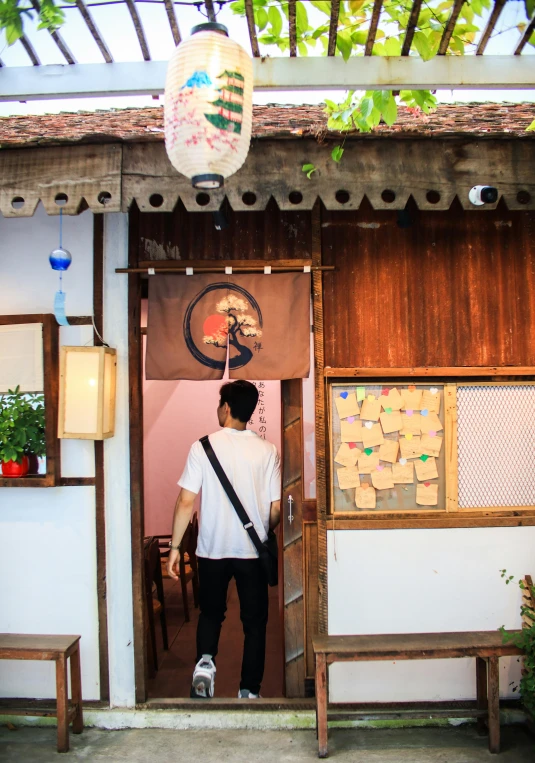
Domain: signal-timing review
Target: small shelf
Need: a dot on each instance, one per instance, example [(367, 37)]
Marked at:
[(38, 480)]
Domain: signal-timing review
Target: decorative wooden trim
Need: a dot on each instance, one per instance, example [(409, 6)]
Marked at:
[(457, 371), (76, 482), (319, 385), (450, 444), (100, 503), (439, 523), (135, 348), (180, 265), (51, 395)]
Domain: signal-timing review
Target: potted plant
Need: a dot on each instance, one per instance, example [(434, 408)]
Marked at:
[(525, 640), (22, 432)]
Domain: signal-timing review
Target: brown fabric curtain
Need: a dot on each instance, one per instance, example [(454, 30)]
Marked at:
[(263, 319)]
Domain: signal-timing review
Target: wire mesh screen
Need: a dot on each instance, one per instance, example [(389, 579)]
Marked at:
[(496, 445)]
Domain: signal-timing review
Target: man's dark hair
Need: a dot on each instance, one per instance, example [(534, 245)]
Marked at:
[(241, 396)]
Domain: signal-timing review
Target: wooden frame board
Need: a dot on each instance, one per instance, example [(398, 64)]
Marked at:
[(50, 391)]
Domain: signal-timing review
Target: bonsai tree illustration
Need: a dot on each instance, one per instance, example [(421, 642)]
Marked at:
[(236, 323)]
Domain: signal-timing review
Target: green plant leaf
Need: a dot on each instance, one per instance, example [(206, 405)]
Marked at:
[(531, 128), (261, 19), (337, 153), (275, 19), (390, 111), (308, 169), (301, 17), (381, 98), (392, 46), (344, 44)]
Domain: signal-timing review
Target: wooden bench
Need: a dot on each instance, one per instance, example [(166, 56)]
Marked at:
[(20, 646), (486, 646)]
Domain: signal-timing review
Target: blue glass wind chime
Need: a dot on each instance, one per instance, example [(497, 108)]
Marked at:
[(60, 260)]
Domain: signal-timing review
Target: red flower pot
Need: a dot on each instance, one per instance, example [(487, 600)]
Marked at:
[(14, 469)]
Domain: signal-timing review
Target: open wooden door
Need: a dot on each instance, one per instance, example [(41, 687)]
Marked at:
[(292, 593)]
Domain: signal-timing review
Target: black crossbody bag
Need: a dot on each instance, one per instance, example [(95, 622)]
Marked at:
[(267, 551)]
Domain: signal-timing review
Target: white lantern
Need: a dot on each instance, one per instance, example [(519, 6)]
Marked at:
[(208, 106)]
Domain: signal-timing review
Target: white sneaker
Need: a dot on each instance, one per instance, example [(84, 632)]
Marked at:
[(246, 694), (202, 685)]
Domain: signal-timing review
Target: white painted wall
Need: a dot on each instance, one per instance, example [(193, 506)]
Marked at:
[(410, 581), (48, 559)]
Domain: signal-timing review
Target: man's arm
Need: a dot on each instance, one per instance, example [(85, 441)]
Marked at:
[(181, 518), (274, 514)]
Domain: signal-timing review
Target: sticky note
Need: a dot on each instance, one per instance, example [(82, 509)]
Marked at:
[(368, 463), (392, 400), (346, 455), (361, 394), (412, 398), (348, 477), (410, 423), (391, 422), (365, 497), (426, 470), (430, 423), (403, 473), (347, 406), (389, 451), (373, 436), (382, 480), (351, 432), (431, 444), (410, 448), (427, 495), (431, 400), (371, 408)]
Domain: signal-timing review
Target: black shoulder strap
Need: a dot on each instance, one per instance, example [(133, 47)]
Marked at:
[(231, 493)]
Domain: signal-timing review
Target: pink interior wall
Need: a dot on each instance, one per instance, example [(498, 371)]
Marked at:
[(175, 414)]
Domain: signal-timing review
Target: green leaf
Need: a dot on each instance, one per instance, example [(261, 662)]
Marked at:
[(337, 153), (344, 44), (531, 128), (530, 8), (261, 19), (14, 31), (359, 38), (301, 17), (302, 48), (390, 111), (392, 46), (366, 107), (421, 44), (275, 19), (324, 7), (308, 169), (381, 98)]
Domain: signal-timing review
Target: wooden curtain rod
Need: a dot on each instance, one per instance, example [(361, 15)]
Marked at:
[(239, 269)]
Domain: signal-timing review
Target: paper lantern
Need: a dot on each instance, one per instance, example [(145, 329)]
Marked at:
[(87, 393), (208, 106)]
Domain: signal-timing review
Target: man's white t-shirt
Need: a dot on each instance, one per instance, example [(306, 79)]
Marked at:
[(253, 468)]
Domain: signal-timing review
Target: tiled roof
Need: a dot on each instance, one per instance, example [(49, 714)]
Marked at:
[(273, 121)]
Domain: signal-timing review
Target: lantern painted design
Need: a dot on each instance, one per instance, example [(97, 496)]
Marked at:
[(208, 106)]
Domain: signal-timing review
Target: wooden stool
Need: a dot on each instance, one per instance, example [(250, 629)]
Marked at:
[(21, 646)]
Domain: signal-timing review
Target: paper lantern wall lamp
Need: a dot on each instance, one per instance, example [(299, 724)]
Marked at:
[(208, 106), (87, 393)]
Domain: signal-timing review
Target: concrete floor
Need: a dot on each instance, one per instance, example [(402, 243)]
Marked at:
[(437, 745)]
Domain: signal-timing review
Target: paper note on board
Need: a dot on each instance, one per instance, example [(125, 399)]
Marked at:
[(382, 480), (351, 431), (410, 422), (430, 423), (410, 448), (392, 400), (372, 437), (426, 470), (348, 477), (361, 394), (347, 456), (431, 445), (412, 399), (389, 451), (426, 494), (347, 406), (403, 474), (370, 409), (431, 400), (365, 497), (367, 464), (391, 422)]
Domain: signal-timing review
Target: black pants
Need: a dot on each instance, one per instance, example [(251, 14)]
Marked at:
[(214, 577)]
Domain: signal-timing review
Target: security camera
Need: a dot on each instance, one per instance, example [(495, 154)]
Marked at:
[(483, 194)]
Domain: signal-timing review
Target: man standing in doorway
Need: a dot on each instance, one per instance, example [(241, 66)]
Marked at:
[(224, 548)]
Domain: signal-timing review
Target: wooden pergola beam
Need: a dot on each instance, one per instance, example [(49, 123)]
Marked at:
[(209, 5), (450, 26), (493, 20), (173, 23), (138, 26), (292, 23), (106, 55), (30, 50), (58, 39), (333, 27), (374, 23), (528, 31), (249, 13), (411, 27)]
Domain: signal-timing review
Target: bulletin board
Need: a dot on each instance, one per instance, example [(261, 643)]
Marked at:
[(431, 447)]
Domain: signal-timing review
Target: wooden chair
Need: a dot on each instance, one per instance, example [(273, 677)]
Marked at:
[(154, 604), (187, 567)]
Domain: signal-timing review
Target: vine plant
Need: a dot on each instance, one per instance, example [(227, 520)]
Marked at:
[(13, 13), (358, 111), (524, 640)]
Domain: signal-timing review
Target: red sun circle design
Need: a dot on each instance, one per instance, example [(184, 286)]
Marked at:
[(214, 325)]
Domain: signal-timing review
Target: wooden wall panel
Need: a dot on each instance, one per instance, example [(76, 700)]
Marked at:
[(451, 289), (181, 235), (311, 593)]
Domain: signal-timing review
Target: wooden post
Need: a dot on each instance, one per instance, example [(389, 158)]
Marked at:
[(76, 690), (62, 703), (321, 703), (494, 704), (481, 693)]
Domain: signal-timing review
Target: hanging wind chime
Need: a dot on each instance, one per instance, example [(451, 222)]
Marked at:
[(208, 106), (60, 260)]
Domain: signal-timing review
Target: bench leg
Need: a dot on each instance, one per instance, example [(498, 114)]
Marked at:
[(321, 704), (76, 691), (494, 704), (62, 701), (481, 693)]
